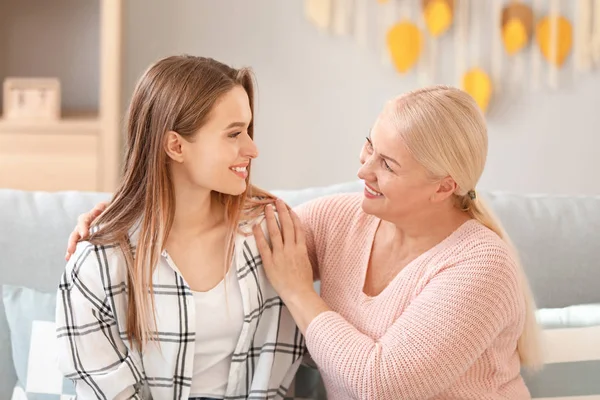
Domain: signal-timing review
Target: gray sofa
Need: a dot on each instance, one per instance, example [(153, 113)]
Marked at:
[(558, 238)]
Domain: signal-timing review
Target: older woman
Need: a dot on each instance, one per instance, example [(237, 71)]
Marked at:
[(422, 295)]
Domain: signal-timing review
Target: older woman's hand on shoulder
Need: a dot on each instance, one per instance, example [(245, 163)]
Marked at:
[(287, 264)]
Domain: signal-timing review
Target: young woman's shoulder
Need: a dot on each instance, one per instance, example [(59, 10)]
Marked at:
[(95, 268), (338, 207), (318, 215)]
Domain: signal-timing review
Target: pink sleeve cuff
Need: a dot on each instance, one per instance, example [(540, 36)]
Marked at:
[(320, 324)]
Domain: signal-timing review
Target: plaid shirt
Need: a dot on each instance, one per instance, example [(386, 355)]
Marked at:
[(91, 322)]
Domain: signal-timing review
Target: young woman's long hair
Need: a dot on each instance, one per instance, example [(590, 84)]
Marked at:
[(445, 131), (175, 94)]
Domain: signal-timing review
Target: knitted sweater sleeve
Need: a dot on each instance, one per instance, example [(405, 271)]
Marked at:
[(312, 224), (447, 326)]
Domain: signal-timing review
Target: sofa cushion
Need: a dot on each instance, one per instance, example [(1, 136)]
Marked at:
[(31, 315), (571, 339), (34, 228), (557, 238)]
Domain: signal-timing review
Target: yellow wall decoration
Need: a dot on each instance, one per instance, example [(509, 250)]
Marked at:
[(516, 26), (514, 36), (555, 53), (438, 15), (318, 12), (499, 46), (405, 43), (478, 84)]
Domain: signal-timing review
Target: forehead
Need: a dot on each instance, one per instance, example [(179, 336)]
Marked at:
[(387, 140), (233, 106)]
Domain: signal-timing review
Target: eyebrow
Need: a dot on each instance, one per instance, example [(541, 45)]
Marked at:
[(383, 155), (236, 125)]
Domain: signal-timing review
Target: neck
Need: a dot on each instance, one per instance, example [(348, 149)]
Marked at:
[(197, 211), (421, 231)]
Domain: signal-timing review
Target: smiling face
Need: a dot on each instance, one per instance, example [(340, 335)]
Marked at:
[(395, 183), (217, 157)]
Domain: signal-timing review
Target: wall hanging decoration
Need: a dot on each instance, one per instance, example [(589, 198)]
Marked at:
[(554, 36), (405, 43), (476, 80), (387, 16), (515, 20), (342, 14), (498, 45), (516, 26), (595, 39), (404, 40), (361, 22), (583, 36), (438, 16), (318, 12)]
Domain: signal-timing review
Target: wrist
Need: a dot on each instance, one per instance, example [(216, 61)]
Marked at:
[(298, 295), (305, 305)]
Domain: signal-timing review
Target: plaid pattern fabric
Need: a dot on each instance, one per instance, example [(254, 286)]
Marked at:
[(91, 323)]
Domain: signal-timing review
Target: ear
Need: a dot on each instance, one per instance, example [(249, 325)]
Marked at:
[(173, 146), (446, 188)]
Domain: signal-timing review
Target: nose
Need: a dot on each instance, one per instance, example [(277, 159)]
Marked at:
[(366, 172), (249, 148)]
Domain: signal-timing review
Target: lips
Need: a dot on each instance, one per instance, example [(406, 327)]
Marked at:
[(240, 170), (372, 191)]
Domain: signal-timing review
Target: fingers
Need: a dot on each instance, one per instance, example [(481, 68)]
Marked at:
[(83, 224), (298, 230), (72, 244), (98, 209), (273, 228), (262, 245), (82, 230), (287, 226), (84, 221)]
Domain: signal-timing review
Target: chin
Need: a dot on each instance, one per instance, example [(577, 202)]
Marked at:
[(368, 207), (233, 190)]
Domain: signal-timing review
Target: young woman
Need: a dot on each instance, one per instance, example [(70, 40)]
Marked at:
[(167, 298), (422, 294)]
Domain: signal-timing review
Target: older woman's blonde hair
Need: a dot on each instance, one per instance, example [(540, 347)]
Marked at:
[(444, 129)]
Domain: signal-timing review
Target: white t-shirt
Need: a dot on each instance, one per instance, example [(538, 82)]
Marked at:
[(219, 320)]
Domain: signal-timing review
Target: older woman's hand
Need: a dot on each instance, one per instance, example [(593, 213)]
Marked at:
[(81, 231), (286, 261), (287, 265)]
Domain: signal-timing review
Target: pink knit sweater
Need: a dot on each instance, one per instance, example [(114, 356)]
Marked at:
[(446, 327)]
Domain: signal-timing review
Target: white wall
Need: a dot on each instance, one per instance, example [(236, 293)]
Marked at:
[(318, 96)]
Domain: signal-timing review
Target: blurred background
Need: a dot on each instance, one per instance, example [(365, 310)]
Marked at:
[(324, 69)]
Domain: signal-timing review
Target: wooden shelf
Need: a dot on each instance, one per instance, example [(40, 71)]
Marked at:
[(79, 151), (80, 123), (38, 161)]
